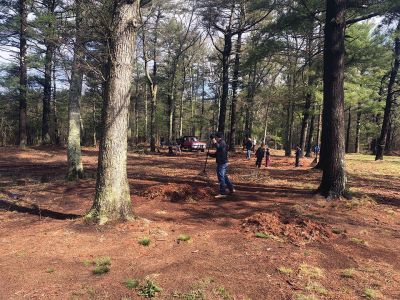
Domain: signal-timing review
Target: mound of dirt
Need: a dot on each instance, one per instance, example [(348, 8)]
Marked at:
[(296, 229), (178, 192)]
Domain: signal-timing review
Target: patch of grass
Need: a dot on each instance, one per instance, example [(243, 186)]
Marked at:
[(263, 235), (358, 241), (131, 283), (184, 237), (50, 270), (102, 265), (223, 293), (149, 289), (301, 296), (390, 211), (285, 270), (103, 261), (348, 273), (101, 270), (371, 293), (88, 262), (191, 295), (145, 241), (363, 201), (336, 230), (197, 291), (310, 271), (317, 288)]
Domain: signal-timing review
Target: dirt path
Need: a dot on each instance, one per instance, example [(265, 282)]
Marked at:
[(307, 248)]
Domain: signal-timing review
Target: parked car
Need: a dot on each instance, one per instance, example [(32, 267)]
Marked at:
[(192, 143)]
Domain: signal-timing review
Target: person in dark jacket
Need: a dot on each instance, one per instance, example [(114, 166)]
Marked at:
[(298, 155), (249, 146), (260, 155), (221, 156)]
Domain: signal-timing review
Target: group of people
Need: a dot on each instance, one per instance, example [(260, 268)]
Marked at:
[(221, 155), (262, 151)]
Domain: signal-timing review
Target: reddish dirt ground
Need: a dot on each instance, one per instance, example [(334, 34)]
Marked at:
[(307, 248)]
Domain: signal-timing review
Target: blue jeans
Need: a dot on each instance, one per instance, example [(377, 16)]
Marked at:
[(223, 179), (248, 154)]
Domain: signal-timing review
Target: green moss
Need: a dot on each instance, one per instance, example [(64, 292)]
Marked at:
[(358, 241), (285, 270), (149, 290), (371, 293), (145, 241), (263, 235), (101, 270), (184, 237), (317, 288), (348, 273), (131, 283), (310, 271)]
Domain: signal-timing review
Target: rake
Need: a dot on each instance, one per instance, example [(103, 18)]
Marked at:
[(204, 172)]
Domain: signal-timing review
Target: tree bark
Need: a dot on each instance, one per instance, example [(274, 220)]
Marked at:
[(112, 200), (358, 127), (203, 96), (389, 98), (235, 85), (347, 145), (333, 183), (50, 47), (181, 101), (304, 123), (55, 111), (309, 95), (251, 90), (152, 81), (310, 134), (146, 118), (23, 77), (171, 106), (75, 166), (226, 53), (266, 123)]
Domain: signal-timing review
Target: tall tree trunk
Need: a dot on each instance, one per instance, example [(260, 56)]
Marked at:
[(333, 183), (75, 166), (304, 123), (266, 123), (226, 53), (193, 101), (49, 44), (203, 96), (235, 85), (146, 118), (288, 130), (181, 101), (23, 81), (251, 90), (310, 134), (55, 112), (389, 138), (309, 95), (112, 200), (152, 81), (94, 135), (348, 132), (171, 107), (389, 97), (358, 127)]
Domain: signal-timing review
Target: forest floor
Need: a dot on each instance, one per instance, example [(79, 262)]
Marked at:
[(273, 239)]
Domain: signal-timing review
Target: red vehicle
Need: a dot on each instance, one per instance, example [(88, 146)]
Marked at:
[(192, 143)]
